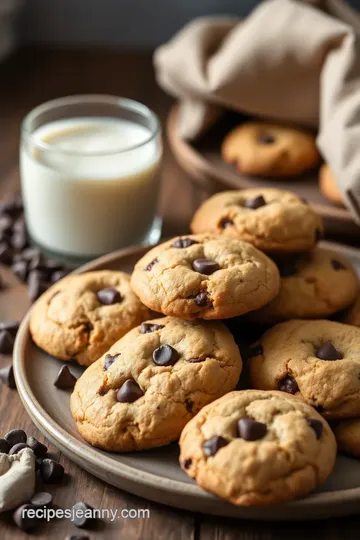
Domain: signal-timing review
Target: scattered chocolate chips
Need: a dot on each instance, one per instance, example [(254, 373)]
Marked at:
[(65, 380), (148, 328), (211, 446), (316, 425), (39, 449), (6, 224), (187, 463), (82, 515), (265, 138), (6, 342), (226, 222), (19, 239), (37, 284), (255, 350), (129, 392), (205, 266), (201, 299), (20, 269), (337, 265), (165, 355), (109, 296), (255, 203), (7, 376), (4, 446), (150, 265), (42, 499), (16, 436), (327, 351), (183, 243), (16, 448), (58, 274), (23, 520), (109, 360), (189, 405), (289, 385), (250, 430), (6, 254), (51, 472), (10, 326)]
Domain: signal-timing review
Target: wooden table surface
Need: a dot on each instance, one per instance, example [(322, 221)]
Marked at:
[(33, 76)]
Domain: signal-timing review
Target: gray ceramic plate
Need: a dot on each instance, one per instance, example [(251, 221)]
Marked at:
[(156, 474)]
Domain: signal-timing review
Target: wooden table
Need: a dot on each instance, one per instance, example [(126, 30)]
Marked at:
[(27, 79)]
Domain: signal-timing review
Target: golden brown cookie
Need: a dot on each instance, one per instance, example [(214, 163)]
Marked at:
[(206, 276), (314, 285), (328, 185), (257, 448), (352, 315), (83, 315), (317, 360), (347, 434), (270, 149), (144, 390), (271, 219)]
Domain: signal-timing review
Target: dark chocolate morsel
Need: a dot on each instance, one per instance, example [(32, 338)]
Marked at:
[(327, 351), (109, 296), (250, 430), (10, 326), (16, 448), (37, 284), (148, 328), (337, 265), (4, 446), (65, 380), (150, 265), (265, 138), (58, 274), (201, 299), (22, 519), (39, 449), (189, 405), (129, 392), (183, 243), (51, 471), (255, 203), (20, 269), (6, 342), (165, 355), (187, 463), (211, 446), (81, 515), (6, 254), (109, 360), (289, 385), (42, 499), (226, 222), (316, 425), (7, 376), (16, 436), (205, 266)]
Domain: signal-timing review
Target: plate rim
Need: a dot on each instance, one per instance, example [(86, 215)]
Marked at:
[(70, 445)]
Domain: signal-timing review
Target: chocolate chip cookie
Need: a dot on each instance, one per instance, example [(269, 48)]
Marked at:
[(315, 284), (144, 390), (270, 150), (328, 186), (83, 315), (271, 219), (256, 448), (317, 360), (347, 434), (205, 276)]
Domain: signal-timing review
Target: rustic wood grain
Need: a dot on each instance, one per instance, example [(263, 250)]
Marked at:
[(29, 78)]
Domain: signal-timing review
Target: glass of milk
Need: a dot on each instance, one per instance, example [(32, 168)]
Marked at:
[(89, 168)]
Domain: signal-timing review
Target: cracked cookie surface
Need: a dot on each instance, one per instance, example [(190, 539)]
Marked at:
[(314, 284), (83, 315), (253, 447), (205, 276), (153, 381), (317, 360), (271, 219)]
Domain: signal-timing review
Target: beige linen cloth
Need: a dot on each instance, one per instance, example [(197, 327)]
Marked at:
[(289, 61)]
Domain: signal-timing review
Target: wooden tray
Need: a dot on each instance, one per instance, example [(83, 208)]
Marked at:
[(155, 474), (202, 161)]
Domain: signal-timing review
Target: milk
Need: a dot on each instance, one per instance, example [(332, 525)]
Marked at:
[(90, 184)]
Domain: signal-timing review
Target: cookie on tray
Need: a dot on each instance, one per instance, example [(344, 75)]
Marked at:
[(328, 185), (83, 315), (317, 360), (314, 285), (206, 276), (144, 390), (271, 219), (257, 448), (270, 150), (347, 434)]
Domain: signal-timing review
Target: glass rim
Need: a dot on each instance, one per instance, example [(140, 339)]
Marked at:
[(107, 99)]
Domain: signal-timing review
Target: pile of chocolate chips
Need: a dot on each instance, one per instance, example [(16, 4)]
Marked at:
[(27, 263), (8, 331)]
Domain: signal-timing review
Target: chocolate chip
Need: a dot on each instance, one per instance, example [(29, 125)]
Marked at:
[(226, 222), (20, 269), (255, 203), (109, 296), (148, 328), (22, 519), (38, 463), (10, 326), (7, 376), (289, 385), (6, 254), (201, 299), (12, 205), (196, 360), (37, 284), (4, 446), (150, 265), (19, 239), (189, 405), (129, 392), (30, 253), (255, 350), (211, 446), (6, 224), (337, 265), (250, 430), (82, 515), (165, 355), (42, 499), (187, 463), (183, 243), (109, 360), (316, 425), (39, 449), (59, 274), (15, 436), (265, 138), (205, 266), (17, 448), (6, 342), (51, 472), (327, 351), (318, 235), (65, 380)]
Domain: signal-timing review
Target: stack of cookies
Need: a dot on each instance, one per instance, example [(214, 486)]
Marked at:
[(163, 365)]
